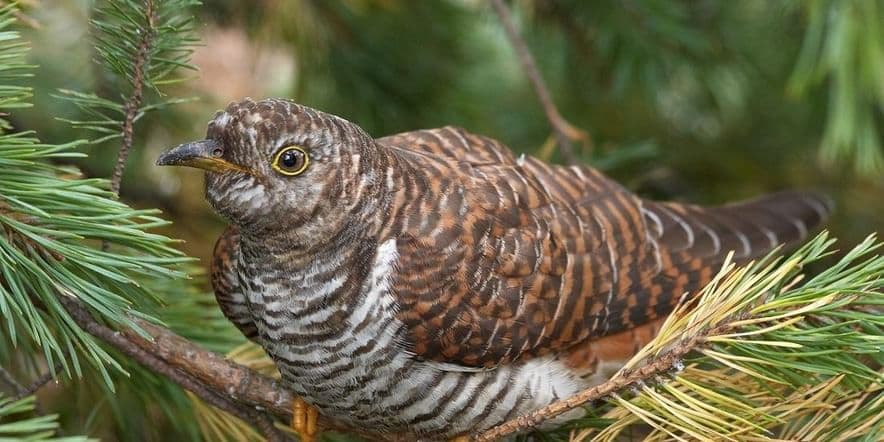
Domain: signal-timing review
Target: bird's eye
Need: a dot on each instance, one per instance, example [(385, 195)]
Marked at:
[(291, 161)]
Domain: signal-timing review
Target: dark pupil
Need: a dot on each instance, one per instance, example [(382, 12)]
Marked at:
[(291, 159)]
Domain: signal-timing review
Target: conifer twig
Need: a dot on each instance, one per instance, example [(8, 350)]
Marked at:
[(564, 131), (10, 382), (134, 102), (41, 381)]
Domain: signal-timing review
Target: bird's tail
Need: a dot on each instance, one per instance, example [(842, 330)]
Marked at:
[(750, 228), (693, 241)]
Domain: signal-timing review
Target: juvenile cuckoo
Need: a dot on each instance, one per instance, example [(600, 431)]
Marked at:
[(432, 283)]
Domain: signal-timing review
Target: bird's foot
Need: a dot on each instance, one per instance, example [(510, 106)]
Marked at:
[(460, 439), (304, 417)]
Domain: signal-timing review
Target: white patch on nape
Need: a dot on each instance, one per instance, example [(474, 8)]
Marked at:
[(252, 135), (253, 118), (222, 120)]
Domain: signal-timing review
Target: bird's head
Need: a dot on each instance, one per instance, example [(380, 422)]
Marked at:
[(274, 164)]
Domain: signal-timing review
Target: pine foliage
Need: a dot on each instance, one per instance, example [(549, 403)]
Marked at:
[(142, 45), (53, 223), (769, 350), (66, 235), (844, 45)]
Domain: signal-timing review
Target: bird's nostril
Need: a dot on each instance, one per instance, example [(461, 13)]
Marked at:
[(217, 152)]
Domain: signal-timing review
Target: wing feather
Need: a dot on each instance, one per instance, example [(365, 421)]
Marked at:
[(508, 259)]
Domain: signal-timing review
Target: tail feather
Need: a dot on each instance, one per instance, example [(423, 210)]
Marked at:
[(750, 228), (692, 242)]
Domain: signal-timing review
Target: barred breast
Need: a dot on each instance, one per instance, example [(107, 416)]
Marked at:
[(343, 352)]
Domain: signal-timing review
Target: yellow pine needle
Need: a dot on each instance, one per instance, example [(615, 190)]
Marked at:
[(647, 417), (723, 358), (217, 425), (698, 405), (694, 421), (749, 341), (723, 401), (761, 330), (806, 309), (869, 422)]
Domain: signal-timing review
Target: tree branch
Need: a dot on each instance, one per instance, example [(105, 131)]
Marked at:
[(16, 388), (622, 380), (41, 381), (231, 387), (564, 131), (134, 102), (19, 391), (151, 360)]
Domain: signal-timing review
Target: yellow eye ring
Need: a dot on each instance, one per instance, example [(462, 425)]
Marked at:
[(290, 161)]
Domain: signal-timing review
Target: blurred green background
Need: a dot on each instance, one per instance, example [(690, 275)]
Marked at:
[(704, 101)]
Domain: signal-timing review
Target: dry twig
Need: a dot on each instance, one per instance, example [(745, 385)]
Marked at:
[(16, 388), (41, 381), (564, 131), (134, 102)]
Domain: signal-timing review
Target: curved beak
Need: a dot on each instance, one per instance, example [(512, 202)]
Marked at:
[(203, 154)]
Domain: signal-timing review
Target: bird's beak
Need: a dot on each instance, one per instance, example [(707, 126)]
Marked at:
[(203, 154)]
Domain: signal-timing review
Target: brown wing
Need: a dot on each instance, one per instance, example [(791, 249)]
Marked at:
[(225, 283), (504, 258), (452, 143)]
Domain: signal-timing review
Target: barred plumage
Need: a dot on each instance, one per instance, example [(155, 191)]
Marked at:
[(431, 283)]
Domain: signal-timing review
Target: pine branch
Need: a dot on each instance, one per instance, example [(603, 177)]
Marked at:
[(17, 388), (231, 387), (564, 131), (151, 359), (216, 425), (161, 40), (623, 380), (50, 219), (60, 280), (38, 383)]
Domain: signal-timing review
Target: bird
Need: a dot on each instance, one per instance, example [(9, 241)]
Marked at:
[(431, 284)]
